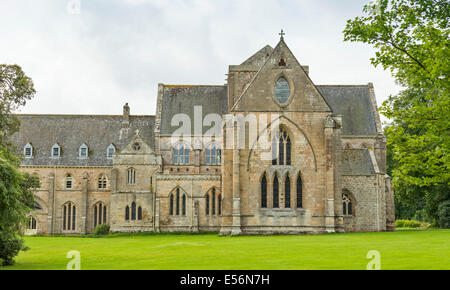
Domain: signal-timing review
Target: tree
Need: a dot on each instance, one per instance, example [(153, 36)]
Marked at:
[(16, 196), (411, 39)]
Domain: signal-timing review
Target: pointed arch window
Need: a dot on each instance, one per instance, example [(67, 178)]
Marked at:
[(282, 90), (171, 204), (287, 192), (139, 213), (213, 202), (110, 151), (69, 217), (281, 148), (102, 182), (180, 154), (28, 151), (264, 192), (133, 211), (83, 151), (99, 214), (346, 205), (183, 205), (177, 206), (177, 203), (276, 193), (127, 213), (207, 204), (213, 155), (299, 192)]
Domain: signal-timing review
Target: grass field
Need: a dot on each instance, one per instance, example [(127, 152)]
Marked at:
[(399, 250)]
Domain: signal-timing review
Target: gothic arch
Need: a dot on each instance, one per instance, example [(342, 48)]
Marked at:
[(100, 213), (353, 201), (213, 201), (182, 191), (263, 188), (178, 202), (41, 203), (250, 155)]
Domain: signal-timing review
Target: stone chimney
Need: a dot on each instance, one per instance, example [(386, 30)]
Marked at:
[(126, 116)]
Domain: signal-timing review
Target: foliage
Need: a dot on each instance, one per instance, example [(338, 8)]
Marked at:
[(444, 214), (411, 39), (407, 224), (9, 248), (15, 90), (16, 188), (101, 230)]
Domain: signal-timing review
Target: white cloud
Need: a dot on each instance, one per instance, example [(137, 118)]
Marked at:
[(118, 51)]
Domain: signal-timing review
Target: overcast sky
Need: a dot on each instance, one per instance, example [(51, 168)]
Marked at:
[(117, 51)]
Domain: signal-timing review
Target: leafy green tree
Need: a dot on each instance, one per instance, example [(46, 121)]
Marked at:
[(15, 90), (16, 196), (411, 39)]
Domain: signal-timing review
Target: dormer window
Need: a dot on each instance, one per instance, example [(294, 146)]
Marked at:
[(110, 151), (56, 151), (28, 151), (84, 151)]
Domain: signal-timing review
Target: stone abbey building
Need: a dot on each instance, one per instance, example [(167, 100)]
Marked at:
[(326, 171)]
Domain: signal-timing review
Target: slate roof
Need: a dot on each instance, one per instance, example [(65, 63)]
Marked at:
[(260, 57), (71, 131), (353, 103), (357, 162), (183, 99)]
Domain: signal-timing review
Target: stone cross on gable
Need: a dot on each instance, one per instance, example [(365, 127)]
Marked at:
[(282, 34)]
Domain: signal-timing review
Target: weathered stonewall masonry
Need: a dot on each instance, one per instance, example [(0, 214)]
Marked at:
[(328, 174)]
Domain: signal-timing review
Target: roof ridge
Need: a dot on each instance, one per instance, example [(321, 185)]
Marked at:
[(191, 86), (327, 85)]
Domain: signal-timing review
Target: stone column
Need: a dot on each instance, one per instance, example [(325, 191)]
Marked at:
[(195, 223), (51, 203), (157, 201), (114, 175), (337, 148), (84, 204), (236, 228), (329, 178)]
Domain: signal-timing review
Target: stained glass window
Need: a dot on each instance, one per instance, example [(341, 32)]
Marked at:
[(282, 90)]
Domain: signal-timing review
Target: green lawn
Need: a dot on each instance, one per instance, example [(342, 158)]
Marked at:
[(399, 250)]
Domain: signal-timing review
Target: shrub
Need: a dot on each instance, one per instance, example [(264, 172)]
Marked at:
[(444, 214), (9, 248), (101, 230), (407, 224)]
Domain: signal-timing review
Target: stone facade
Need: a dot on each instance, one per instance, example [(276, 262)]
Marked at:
[(155, 180)]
